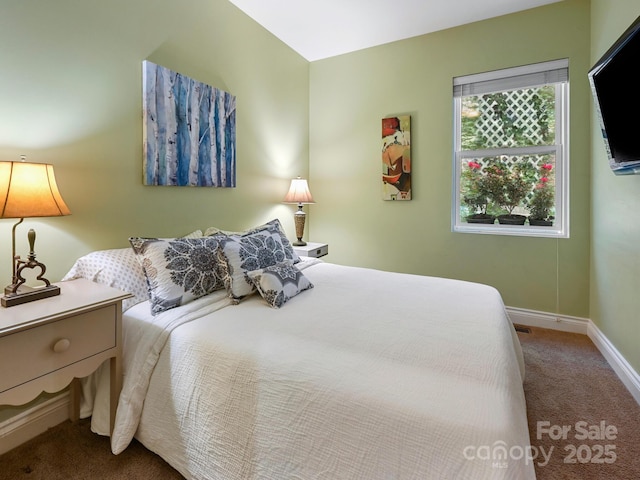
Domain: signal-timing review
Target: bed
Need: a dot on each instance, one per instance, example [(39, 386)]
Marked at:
[(357, 374)]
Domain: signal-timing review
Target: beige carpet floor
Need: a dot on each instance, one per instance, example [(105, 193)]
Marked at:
[(569, 386), (71, 451), (575, 403)]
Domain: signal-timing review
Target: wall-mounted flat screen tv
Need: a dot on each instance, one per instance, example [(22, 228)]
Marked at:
[(613, 80)]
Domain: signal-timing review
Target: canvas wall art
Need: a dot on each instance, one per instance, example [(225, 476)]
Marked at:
[(396, 158), (189, 131)]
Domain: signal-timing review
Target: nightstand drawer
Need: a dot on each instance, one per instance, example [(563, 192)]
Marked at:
[(35, 352)]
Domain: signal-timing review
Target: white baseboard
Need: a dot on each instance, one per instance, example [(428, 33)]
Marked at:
[(627, 374), (585, 326), (534, 318), (34, 421)]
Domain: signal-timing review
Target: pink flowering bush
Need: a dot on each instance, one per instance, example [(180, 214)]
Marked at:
[(473, 196), (542, 203), (495, 187)]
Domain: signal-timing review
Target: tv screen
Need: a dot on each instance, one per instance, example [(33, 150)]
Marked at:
[(613, 80)]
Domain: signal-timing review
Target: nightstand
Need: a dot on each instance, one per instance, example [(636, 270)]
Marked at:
[(46, 344), (315, 250)]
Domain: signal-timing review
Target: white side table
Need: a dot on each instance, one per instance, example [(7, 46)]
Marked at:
[(315, 250), (46, 344)]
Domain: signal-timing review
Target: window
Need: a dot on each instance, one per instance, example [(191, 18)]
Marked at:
[(511, 162)]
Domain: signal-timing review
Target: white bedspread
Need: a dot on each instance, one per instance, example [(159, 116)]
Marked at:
[(370, 375)]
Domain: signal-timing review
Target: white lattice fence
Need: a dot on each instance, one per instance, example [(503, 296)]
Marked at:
[(513, 118)]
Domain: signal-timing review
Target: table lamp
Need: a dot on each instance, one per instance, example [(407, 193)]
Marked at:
[(28, 190), (299, 193)]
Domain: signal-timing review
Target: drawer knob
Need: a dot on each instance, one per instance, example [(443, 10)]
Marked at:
[(61, 345)]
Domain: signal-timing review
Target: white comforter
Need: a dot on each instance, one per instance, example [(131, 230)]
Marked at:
[(370, 375)]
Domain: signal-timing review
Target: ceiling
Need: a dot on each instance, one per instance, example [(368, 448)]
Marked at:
[(318, 29)]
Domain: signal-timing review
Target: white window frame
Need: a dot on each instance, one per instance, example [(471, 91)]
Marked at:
[(553, 72)]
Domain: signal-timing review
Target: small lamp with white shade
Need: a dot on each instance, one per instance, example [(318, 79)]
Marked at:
[(299, 193)]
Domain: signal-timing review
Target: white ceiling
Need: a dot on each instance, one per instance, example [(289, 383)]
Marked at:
[(319, 29)]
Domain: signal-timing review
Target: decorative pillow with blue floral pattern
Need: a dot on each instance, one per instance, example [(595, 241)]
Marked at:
[(240, 254), (279, 283), (179, 270), (273, 226)]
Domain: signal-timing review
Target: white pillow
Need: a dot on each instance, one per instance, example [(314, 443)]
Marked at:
[(279, 283), (216, 231), (117, 268)]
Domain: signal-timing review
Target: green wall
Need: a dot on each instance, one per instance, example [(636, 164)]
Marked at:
[(71, 95), (350, 94), (615, 249)]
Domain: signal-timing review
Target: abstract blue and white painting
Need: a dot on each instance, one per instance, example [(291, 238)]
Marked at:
[(189, 131)]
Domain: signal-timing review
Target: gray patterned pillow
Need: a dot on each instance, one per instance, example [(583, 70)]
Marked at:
[(178, 270), (280, 283), (240, 254), (273, 226), (276, 227)]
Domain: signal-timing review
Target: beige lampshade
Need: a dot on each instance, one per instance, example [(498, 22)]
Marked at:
[(298, 192), (29, 190)]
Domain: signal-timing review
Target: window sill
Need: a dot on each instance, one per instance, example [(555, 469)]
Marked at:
[(512, 230)]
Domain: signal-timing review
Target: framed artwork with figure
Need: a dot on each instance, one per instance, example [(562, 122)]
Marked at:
[(396, 158)]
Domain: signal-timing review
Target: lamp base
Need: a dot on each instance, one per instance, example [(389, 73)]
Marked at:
[(299, 218), (18, 293), (28, 294)]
